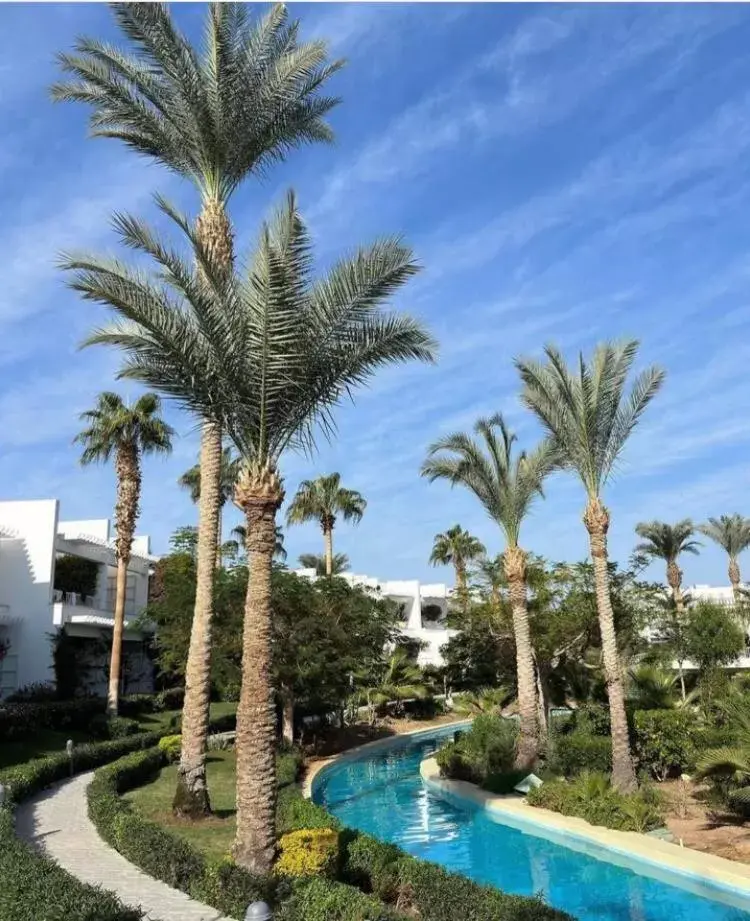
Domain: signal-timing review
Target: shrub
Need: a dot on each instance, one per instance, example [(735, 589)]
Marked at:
[(579, 751), (318, 899), (35, 888), (504, 783), (102, 726), (288, 766), (171, 699), (370, 864), (171, 747), (39, 692), (665, 741), (133, 705), (488, 748), (591, 796), (19, 719), (309, 852), (293, 812)]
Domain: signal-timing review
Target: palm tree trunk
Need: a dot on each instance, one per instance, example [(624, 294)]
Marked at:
[(191, 796), (259, 494), (514, 560), (328, 538), (219, 559), (734, 578), (596, 519), (679, 603), (127, 469), (541, 696), (287, 715)]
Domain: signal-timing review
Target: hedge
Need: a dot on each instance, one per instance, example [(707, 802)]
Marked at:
[(580, 751), (384, 871), (16, 720)]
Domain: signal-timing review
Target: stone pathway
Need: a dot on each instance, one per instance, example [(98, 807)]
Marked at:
[(56, 822)]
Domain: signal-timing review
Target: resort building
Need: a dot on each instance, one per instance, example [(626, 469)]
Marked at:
[(36, 603), (424, 609)]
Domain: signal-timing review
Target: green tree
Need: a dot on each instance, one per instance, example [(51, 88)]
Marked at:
[(339, 563), (215, 116), (666, 542), (456, 547), (713, 636), (589, 417), (191, 481), (324, 500), (732, 534), (396, 678), (128, 432), (506, 483), (276, 350)]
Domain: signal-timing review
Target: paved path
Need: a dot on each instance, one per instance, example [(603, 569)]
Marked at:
[(56, 822)]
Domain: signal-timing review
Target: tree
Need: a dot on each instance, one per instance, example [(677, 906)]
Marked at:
[(127, 432), (323, 500), (489, 578), (713, 637), (666, 542), (339, 563), (397, 678), (476, 656), (214, 116), (589, 417), (456, 547), (506, 484), (240, 532), (191, 480), (652, 688), (274, 352), (732, 534)]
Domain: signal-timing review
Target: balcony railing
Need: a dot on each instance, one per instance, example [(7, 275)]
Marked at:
[(74, 599)]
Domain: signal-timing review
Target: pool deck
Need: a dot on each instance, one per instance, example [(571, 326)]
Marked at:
[(712, 877)]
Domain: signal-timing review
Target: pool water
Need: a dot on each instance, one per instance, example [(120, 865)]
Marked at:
[(381, 793)]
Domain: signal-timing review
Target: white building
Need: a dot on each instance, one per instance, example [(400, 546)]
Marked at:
[(424, 609), (32, 539)]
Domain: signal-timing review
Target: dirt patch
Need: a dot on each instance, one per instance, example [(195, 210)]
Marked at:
[(702, 825)]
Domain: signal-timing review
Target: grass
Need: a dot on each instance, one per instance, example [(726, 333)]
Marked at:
[(213, 836), (52, 741)]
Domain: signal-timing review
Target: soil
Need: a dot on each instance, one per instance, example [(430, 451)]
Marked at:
[(702, 825)]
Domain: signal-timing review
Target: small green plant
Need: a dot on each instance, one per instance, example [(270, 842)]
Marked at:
[(487, 750), (665, 741), (171, 746), (308, 852)]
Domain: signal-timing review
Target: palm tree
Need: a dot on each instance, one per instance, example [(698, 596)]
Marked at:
[(271, 354), (323, 500), (652, 688), (729, 766), (240, 532), (589, 418), (506, 484), (191, 481), (732, 534), (483, 700), (214, 116), (458, 548), (128, 432), (318, 562), (400, 680), (666, 542)]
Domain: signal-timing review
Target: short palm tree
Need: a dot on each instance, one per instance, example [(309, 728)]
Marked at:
[(128, 432), (666, 542), (489, 577), (401, 679), (589, 416), (483, 700), (506, 483), (456, 547), (215, 116), (729, 766), (324, 500), (732, 534), (271, 354), (191, 480), (652, 688), (339, 563)]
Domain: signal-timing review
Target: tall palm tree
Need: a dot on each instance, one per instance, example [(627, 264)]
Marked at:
[(279, 550), (456, 547), (215, 116), (506, 483), (323, 500), (589, 416), (128, 432), (732, 534), (272, 353), (339, 563), (191, 480), (666, 542)]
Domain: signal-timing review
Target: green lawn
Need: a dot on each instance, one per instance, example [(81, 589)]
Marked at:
[(213, 835), (51, 741)]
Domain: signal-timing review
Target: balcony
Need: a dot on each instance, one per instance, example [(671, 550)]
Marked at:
[(72, 608)]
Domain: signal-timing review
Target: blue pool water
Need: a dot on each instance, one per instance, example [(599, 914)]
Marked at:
[(382, 794)]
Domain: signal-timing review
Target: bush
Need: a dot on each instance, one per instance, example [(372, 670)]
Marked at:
[(487, 749), (171, 747), (40, 692), (318, 899), (102, 726), (665, 741), (171, 699), (288, 767), (504, 783), (35, 888), (580, 751), (309, 852), (293, 812), (19, 719), (591, 796)]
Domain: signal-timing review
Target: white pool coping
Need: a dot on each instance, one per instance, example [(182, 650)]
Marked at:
[(716, 878)]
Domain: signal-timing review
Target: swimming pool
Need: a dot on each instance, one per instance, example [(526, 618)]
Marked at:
[(380, 792)]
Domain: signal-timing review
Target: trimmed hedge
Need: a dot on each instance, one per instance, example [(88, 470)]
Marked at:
[(17, 720), (35, 888), (665, 741), (580, 751)]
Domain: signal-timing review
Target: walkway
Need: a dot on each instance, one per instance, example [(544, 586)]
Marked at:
[(56, 822)]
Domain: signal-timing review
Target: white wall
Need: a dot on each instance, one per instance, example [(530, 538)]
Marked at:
[(93, 527), (26, 577)]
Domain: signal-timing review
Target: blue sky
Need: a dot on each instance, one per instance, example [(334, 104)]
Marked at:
[(565, 173)]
